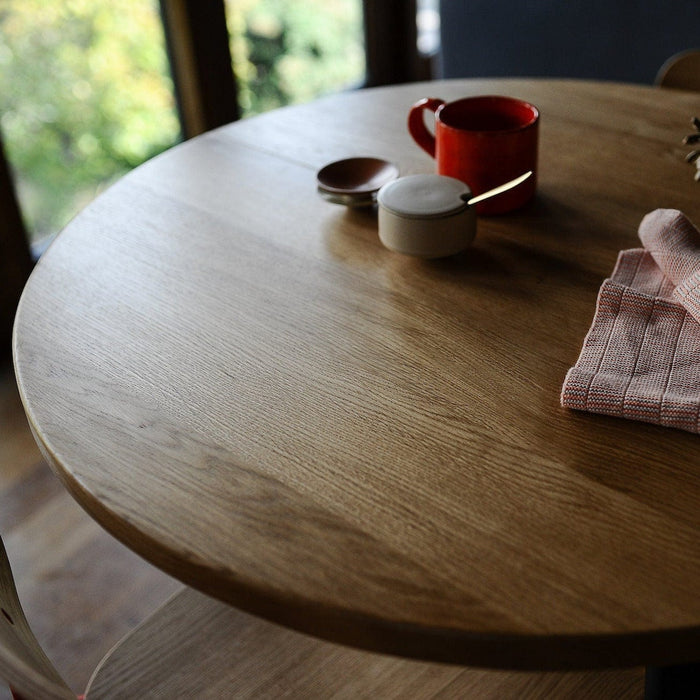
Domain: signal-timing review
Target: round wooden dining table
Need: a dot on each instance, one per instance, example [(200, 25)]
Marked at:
[(237, 380)]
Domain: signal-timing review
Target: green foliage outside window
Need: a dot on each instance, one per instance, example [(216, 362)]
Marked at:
[(84, 97), (86, 94), (287, 51)]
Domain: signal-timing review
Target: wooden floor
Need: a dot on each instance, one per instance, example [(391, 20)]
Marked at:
[(81, 589)]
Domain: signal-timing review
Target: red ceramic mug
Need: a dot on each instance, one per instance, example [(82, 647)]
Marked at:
[(483, 141)]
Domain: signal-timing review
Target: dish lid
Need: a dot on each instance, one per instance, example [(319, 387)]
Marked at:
[(424, 196)]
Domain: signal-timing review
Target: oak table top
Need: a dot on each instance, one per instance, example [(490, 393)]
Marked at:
[(239, 382)]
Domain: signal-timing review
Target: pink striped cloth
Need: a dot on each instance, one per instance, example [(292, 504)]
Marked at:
[(641, 357)]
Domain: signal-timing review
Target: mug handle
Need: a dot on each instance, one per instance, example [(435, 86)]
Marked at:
[(416, 123)]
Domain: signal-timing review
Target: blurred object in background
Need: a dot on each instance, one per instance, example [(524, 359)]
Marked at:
[(624, 40), (428, 24)]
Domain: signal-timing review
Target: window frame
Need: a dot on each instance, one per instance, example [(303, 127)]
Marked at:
[(15, 257)]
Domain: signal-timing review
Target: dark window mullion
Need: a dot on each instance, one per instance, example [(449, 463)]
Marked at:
[(15, 257), (198, 47), (391, 43)]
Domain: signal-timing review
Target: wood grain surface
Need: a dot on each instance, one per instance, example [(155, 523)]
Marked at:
[(82, 591), (238, 381)]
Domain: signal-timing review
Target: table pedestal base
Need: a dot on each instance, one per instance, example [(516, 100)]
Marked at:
[(672, 682)]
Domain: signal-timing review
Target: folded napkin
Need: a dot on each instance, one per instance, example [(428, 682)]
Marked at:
[(641, 357), (674, 243)]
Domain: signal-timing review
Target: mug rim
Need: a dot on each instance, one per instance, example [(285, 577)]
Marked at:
[(483, 98)]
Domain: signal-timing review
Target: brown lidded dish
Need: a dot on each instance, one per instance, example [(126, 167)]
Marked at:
[(355, 182)]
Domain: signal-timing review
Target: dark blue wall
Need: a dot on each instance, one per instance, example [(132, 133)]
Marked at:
[(624, 40)]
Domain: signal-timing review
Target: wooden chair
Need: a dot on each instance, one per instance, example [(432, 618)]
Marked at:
[(681, 71), (195, 647)]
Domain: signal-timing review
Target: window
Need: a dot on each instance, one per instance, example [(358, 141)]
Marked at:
[(85, 95), (285, 51), (86, 92)]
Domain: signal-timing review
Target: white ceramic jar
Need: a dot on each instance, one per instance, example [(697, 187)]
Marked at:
[(426, 216)]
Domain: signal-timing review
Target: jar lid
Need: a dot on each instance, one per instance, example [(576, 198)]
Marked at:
[(424, 196)]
